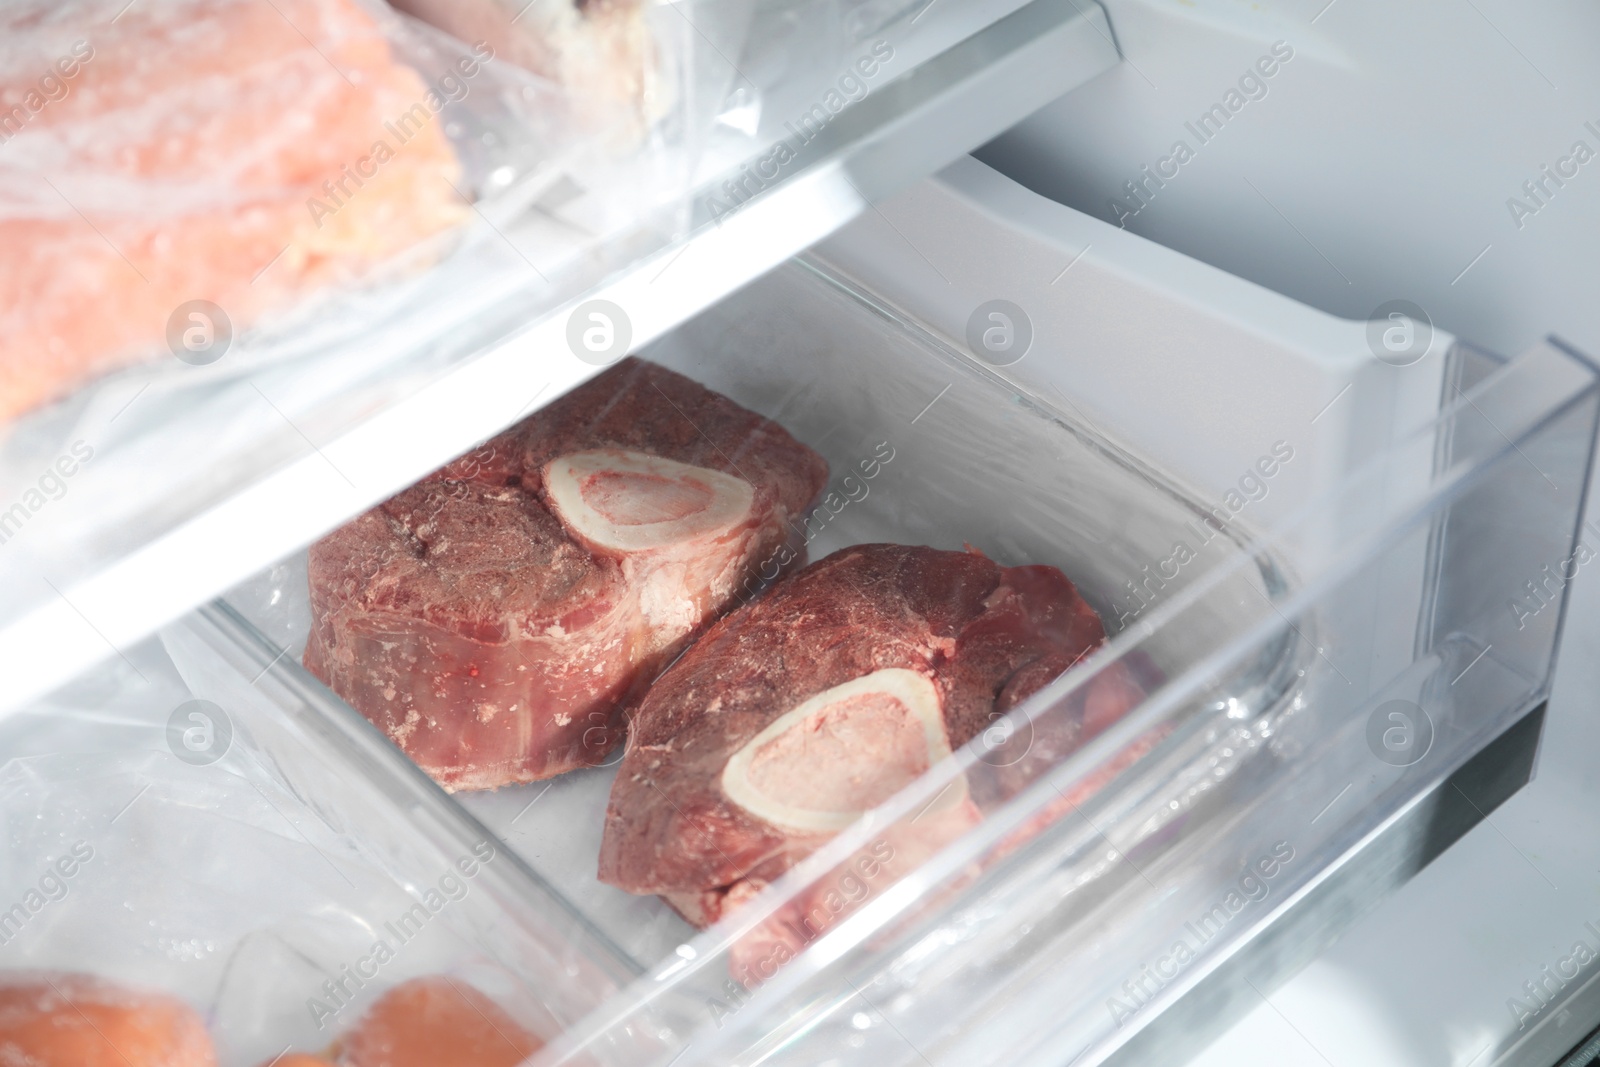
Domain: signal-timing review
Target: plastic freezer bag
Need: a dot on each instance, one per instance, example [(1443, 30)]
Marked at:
[(269, 876), (181, 176)]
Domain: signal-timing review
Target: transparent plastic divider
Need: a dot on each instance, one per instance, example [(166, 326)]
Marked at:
[(1062, 909)]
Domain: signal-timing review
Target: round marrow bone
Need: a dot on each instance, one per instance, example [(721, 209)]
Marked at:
[(628, 501), (826, 761)]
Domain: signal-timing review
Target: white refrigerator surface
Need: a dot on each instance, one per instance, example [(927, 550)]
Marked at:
[(1444, 153), (1435, 975)]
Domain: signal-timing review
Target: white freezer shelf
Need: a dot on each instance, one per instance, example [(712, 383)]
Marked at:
[(102, 566)]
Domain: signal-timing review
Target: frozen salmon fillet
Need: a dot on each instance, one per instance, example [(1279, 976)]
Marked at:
[(233, 151), (57, 1019), (436, 1022)]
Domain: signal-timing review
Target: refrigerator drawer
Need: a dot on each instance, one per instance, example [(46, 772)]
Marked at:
[(1296, 705), (1299, 703)]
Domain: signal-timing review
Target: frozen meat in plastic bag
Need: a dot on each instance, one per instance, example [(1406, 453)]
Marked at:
[(175, 171), (62, 1019), (436, 1021), (598, 47)]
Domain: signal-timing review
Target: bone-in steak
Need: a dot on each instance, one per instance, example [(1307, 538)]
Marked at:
[(496, 618), (799, 711)]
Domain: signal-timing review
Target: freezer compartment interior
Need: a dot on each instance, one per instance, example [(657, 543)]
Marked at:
[(202, 833), (1264, 752)]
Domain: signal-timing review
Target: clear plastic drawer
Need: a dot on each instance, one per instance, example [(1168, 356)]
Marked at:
[(1307, 683)]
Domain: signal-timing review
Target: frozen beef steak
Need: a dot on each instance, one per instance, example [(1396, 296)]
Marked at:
[(497, 618), (798, 712)]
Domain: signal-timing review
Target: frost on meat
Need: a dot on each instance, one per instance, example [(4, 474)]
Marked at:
[(797, 713), (497, 618), (176, 162), (436, 1021), (600, 49), (65, 1019)]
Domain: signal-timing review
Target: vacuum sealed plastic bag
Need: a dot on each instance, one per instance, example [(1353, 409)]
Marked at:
[(231, 228)]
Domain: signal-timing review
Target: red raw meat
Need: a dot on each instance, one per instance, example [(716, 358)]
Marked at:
[(497, 618), (798, 712)]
